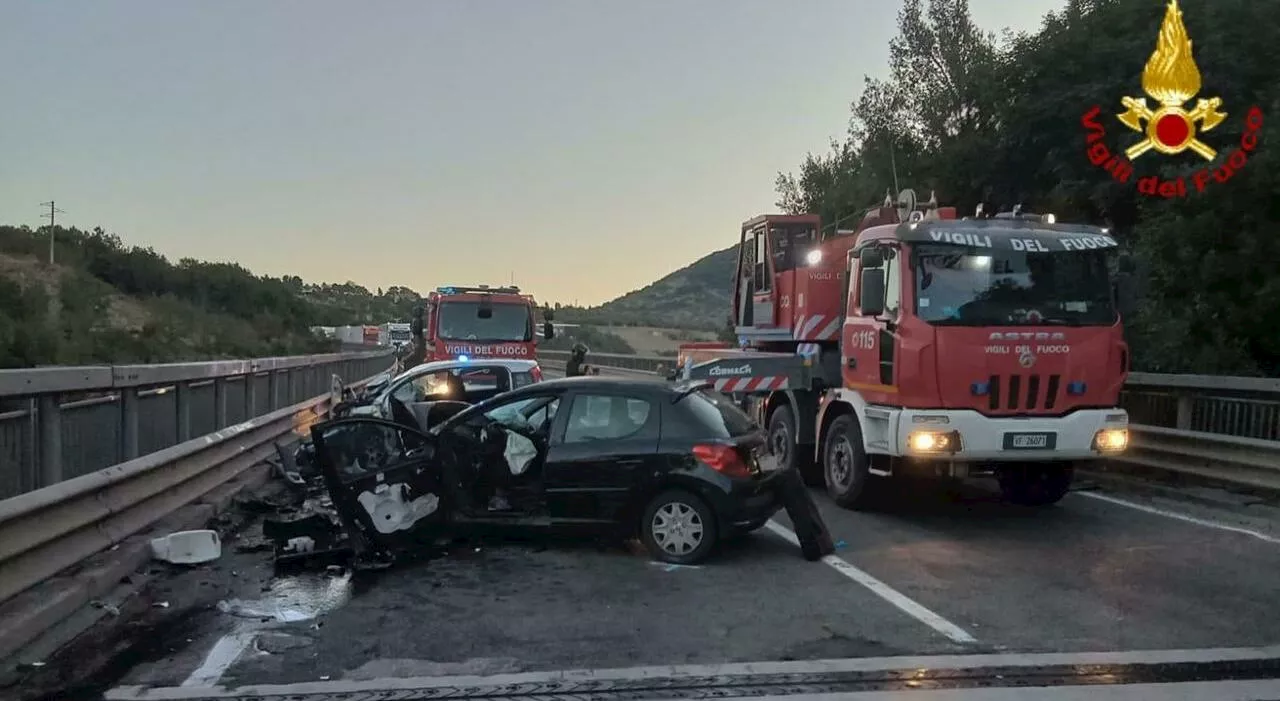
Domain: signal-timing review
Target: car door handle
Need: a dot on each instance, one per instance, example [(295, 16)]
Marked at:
[(629, 463), (852, 363)]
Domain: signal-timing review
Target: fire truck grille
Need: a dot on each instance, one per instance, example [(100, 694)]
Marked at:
[(1022, 392)]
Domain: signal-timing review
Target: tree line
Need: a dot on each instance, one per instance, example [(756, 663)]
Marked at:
[(1000, 119), (106, 301)]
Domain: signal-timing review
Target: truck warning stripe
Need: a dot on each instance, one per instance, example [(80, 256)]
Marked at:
[(829, 332), (805, 325), (766, 383)]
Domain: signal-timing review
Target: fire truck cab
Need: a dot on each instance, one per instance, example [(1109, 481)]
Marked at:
[(480, 322), (923, 343)]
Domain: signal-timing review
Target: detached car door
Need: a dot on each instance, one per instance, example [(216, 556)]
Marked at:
[(387, 481)]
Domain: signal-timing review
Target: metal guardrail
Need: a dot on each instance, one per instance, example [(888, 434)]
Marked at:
[(1217, 427), (59, 423)]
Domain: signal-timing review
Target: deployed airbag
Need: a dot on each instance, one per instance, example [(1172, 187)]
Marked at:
[(520, 453), (391, 510)]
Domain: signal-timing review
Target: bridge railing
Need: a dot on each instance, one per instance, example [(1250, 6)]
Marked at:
[(59, 423), (1219, 427)]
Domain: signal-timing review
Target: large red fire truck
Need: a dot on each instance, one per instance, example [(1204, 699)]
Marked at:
[(922, 343), (480, 322)]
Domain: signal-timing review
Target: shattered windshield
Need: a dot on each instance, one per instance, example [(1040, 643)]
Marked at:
[(461, 321), (962, 286)]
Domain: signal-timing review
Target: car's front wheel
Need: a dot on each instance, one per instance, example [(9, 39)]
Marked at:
[(678, 527)]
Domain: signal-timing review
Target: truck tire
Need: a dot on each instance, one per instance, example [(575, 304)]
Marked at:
[(1036, 485), (782, 444), (845, 466)]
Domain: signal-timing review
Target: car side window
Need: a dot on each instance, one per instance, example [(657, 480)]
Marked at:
[(605, 417), (533, 414)]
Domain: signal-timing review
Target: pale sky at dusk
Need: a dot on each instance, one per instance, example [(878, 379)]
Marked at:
[(590, 146)]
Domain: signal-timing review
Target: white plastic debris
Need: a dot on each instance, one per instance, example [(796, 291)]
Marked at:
[(187, 547)]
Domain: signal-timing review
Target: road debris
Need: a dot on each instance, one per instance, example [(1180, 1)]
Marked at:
[(187, 547)]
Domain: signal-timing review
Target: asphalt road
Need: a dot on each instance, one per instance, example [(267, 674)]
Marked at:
[(942, 572), (1114, 568)]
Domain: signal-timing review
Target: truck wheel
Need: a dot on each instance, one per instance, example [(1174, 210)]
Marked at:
[(1035, 485), (782, 444), (845, 464)]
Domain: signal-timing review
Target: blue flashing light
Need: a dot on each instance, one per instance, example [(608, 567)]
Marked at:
[(463, 358), (980, 389), (445, 290), (1077, 388)]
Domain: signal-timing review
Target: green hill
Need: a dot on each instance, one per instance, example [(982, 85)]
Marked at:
[(697, 296)]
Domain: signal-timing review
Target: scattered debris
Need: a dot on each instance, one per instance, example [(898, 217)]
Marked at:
[(187, 547), (161, 605)]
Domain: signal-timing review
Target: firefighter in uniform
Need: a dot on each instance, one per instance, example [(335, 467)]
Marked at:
[(576, 365)]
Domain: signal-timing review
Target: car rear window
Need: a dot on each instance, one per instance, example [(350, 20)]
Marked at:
[(520, 379), (716, 413)]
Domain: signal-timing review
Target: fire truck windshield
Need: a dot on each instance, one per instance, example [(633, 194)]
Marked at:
[(460, 321), (962, 286)]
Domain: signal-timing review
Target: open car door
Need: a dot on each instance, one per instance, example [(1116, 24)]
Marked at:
[(387, 482)]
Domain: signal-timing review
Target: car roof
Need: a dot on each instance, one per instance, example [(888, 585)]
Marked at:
[(604, 383), (512, 364)]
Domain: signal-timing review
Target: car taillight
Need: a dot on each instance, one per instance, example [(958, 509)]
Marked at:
[(536, 373), (723, 459)]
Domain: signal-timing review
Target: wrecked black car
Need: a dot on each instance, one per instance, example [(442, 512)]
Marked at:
[(447, 385), (680, 468)]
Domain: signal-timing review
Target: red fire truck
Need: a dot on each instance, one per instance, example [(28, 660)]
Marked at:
[(480, 322), (922, 343)]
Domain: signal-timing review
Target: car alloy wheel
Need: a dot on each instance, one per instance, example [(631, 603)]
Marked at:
[(677, 528)]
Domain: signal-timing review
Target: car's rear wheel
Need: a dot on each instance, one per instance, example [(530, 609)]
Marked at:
[(1035, 485), (678, 527), (845, 464)]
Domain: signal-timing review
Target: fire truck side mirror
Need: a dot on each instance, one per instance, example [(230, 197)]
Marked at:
[(871, 257), (549, 314), (548, 331), (1126, 264), (871, 292)]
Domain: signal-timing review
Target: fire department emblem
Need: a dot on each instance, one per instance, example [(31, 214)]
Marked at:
[(1026, 358), (1171, 78)]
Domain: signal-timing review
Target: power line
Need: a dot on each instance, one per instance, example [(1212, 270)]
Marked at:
[(52, 217)]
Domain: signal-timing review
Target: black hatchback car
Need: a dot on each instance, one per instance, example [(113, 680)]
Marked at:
[(680, 467)]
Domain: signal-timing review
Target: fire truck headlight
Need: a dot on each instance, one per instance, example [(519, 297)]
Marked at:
[(814, 257), (934, 442), (1050, 219), (1111, 440)]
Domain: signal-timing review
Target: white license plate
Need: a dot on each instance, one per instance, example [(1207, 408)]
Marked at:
[(1040, 441)]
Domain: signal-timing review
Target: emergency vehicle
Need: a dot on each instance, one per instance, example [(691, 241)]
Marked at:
[(922, 343), (480, 322)]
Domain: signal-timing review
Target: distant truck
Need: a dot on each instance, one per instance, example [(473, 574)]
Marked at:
[(925, 344), (396, 334), (480, 322)]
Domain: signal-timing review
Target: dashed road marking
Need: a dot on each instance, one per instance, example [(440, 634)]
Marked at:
[(1183, 517), (884, 591)]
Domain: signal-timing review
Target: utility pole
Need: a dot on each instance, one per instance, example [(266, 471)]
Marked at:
[(52, 216)]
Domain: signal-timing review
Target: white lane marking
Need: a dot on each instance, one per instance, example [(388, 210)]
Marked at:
[(224, 654), (1183, 517), (884, 591)]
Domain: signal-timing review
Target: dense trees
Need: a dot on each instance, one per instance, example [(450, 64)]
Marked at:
[(998, 120)]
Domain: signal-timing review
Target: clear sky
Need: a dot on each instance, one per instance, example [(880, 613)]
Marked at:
[(586, 146)]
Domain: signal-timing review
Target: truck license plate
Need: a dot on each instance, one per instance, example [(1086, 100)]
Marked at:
[(1029, 441)]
